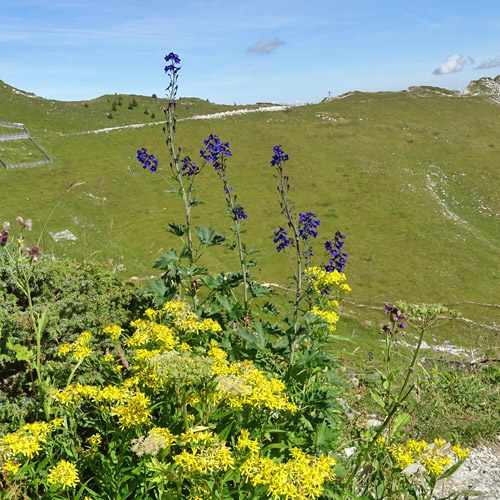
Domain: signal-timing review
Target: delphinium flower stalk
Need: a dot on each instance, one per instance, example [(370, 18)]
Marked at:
[(216, 153), (302, 230), (172, 69)]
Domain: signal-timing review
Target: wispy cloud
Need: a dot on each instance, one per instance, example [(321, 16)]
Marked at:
[(265, 46), (454, 64), (489, 63)]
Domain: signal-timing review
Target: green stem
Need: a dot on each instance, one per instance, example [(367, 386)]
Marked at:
[(403, 394)]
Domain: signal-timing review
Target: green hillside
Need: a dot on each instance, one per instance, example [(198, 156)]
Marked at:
[(411, 177)]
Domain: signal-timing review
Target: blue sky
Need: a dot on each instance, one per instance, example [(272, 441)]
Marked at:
[(245, 51)]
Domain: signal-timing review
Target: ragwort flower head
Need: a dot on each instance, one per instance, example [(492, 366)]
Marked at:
[(279, 156), (281, 237), (307, 225), (64, 474), (147, 160), (173, 59), (215, 151)]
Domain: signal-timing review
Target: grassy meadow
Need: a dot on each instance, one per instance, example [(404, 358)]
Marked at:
[(410, 177)]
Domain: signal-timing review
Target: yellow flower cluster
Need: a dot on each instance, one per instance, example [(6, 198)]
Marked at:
[(26, 442), (323, 282), (131, 407), (150, 333), (435, 457), (301, 478), (241, 383), (64, 474), (113, 331), (205, 459), (245, 443), (76, 392), (134, 412), (185, 321), (330, 316), (80, 347)]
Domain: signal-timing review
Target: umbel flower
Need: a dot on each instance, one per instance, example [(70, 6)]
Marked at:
[(147, 160)]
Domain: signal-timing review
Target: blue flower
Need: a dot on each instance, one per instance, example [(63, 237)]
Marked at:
[(148, 161), (189, 168), (173, 59), (282, 239), (279, 156), (239, 213), (307, 225), (338, 259), (215, 151)]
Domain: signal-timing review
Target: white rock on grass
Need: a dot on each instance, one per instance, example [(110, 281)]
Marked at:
[(63, 235)]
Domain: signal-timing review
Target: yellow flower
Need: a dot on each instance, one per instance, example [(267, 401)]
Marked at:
[(244, 442), (459, 452), (113, 331), (134, 412), (331, 317), (95, 440), (11, 467), (301, 478), (79, 347), (64, 474), (402, 456), (216, 456), (322, 281), (108, 358)]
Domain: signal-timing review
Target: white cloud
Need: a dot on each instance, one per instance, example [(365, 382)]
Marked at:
[(265, 46), (453, 64), (489, 63)]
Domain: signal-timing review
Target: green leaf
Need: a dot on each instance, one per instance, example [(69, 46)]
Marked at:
[(166, 259), (378, 399), (205, 234), (177, 229), (258, 290), (22, 352), (401, 420)]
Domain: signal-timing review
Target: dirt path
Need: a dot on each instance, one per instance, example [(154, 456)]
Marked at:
[(212, 116)]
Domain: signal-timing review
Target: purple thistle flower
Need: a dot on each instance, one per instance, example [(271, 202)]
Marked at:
[(239, 213), (387, 329), (279, 156), (282, 239), (147, 160), (4, 236), (34, 251), (307, 225)]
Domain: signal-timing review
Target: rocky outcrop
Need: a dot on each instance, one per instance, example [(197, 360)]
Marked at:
[(486, 86)]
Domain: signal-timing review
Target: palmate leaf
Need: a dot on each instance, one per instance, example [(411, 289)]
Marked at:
[(258, 290), (208, 237), (166, 259), (177, 229)]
